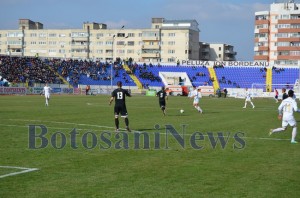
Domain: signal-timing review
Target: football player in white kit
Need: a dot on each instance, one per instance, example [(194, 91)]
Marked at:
[(47, 91), (196, 94), (286, 114), (248, 99)]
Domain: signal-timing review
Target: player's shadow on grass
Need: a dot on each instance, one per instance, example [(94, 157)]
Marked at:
[(211, 112), (206, 112), (149, 129), (180, 115)]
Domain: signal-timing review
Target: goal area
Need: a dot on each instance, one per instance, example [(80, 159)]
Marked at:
[(266, 90)]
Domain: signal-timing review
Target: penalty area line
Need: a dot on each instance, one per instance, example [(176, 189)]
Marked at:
[(24, 170)]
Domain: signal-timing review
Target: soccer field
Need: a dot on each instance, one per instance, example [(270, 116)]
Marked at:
[(224, 152)]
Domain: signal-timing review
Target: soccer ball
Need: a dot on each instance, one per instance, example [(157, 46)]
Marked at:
[(181, 111)]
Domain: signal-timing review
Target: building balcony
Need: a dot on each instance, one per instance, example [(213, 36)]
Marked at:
[(261, 22), (150, 55), (150, 46), (204, 57), (227, 58), (261, 57), (151, 38), (204, 50), (230, 52), (15, 53), (287, 57), (289, 21)]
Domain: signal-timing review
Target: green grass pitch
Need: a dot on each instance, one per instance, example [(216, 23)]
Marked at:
[(268, 166)]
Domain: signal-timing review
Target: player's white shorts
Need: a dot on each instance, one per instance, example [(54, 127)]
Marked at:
[(47, 95), (248, 99), (292, 122), (196, 101)]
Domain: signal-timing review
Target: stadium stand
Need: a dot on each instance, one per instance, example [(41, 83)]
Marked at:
[(240, 77), (90, 73), (149, 74), (286, 76), (26, 70), (35, 70)]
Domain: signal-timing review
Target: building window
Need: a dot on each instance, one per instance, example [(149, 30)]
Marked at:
[(130, 43), (171, 43), (108, 43), (171, 51), (171, 59), (52, 42), (33, 35), (99, 35), (171, 34), (14, 34), (220, 48), (42, 43), (130, 51), (79, 34), (121, 35), (42, 35), (52, 35), (220, 56), (120, 51), (120, 43), (130, 34)]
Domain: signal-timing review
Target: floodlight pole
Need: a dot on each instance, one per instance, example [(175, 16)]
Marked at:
[(113, 58), (299, 79), (112, 64)]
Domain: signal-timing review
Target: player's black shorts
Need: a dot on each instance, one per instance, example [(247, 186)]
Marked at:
[(121, 110), (162, 103)]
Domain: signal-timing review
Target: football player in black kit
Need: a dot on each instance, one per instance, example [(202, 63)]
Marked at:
[(119, 95), (162, 97)]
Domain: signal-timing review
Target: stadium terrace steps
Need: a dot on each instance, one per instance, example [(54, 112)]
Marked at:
[(133, 77), (269, 79), (58, 75), (214, 76)]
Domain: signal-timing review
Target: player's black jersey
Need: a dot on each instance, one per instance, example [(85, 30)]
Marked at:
[(161, 95), (119, 95), (284, 96)]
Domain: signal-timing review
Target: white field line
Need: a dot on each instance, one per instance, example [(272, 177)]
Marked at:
[(24, 170), (191, 107), (99, 126)]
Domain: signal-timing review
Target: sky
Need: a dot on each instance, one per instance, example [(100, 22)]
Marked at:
[(220, 21)]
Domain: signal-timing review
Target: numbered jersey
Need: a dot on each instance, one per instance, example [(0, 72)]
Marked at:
[(287, 107), (161, 95), (119, 95)]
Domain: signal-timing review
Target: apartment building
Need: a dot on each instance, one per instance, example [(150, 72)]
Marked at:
[(217, 52), (165, 41), (277, 34)]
